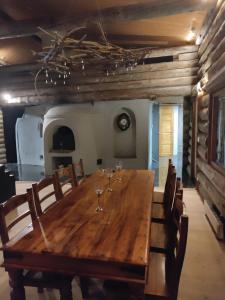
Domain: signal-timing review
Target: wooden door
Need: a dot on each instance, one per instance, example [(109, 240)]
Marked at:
[(166, 131)]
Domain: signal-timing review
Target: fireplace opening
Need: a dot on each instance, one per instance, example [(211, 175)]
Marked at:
[(61, 161), (63, 139)]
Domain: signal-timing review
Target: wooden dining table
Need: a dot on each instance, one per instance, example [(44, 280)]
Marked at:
[(72, 238)]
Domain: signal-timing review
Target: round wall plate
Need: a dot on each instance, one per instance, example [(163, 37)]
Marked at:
[(123, 121)]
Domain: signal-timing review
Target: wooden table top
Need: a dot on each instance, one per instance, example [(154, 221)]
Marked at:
[(73, 229)]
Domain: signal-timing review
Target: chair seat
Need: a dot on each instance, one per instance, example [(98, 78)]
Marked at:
[(158, 197), (159, 237), (158, 212), (156, 286)]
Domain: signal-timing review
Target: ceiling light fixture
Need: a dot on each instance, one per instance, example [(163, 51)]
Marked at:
[(191, 35), (67, 54), (7, 97)]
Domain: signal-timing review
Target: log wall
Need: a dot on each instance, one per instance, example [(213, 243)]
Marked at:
[(211, 182), (2, 141), (164, 81)]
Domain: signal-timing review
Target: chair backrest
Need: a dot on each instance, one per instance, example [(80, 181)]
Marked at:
[(170, 167), (9, 206), (179, 185), (170, 192), (79, 169), (66, 179), (179, 254), (50, 190)]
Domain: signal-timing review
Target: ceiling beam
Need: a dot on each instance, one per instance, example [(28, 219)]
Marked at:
[(154, 9)]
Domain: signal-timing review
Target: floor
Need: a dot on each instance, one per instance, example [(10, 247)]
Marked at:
[(203, 275), (26, 172)]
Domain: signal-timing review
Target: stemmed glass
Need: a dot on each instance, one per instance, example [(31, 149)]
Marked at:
[(118, 169), (109, 175), (99, 191)]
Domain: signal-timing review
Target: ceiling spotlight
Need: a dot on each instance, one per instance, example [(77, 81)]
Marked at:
[(7, 97), (191, 35)]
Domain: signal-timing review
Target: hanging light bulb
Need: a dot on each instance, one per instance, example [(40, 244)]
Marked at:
[(59, 75), (46, 81), (64, 82)]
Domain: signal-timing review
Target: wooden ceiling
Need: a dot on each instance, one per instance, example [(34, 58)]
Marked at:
[(130, 23)]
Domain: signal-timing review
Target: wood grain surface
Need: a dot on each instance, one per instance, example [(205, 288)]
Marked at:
[(73, 238)]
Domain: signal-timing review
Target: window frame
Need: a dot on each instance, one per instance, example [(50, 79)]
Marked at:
[(213, 117)]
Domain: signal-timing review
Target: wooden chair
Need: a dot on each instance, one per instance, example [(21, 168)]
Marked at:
[(161, 212), (79, 171), (158, 197), (161, 233), (66, 180), (42, 187), (164, 270), (31, 278)]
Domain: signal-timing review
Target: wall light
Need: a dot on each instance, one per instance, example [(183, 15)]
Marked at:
[(7, 97), (191, 35)]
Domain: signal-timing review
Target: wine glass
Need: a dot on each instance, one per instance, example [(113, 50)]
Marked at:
[(109, 175), (118, 169), (99, 191)]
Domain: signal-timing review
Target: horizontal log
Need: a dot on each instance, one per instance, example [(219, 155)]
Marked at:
[(73, 96), (213, 44), (204, 114), (175, 51), (14, 81), (214, 28), (2, 155), (203, 127), (3, 161), (202, 152), (202, 139), (214, 55), (214, 70), (190, 148), (216, 82), (210, 193), (183, 90), (188, 56), (4, 70), (204, 102), (2, 150), (188, 168), (2, 142), (96, 87), (207, 24), (217, 179), (189, 159)]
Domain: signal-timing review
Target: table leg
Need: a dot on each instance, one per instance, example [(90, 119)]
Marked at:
[(17, 291)]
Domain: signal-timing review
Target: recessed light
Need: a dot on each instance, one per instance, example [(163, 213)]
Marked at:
[(7, 97)]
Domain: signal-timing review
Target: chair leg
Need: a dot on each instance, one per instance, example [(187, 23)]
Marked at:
[(66, 290), (17, 291)]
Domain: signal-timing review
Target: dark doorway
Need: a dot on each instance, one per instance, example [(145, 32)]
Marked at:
[(10, 115)]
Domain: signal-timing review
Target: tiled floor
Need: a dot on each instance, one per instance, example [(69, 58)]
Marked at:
[(203, 275)]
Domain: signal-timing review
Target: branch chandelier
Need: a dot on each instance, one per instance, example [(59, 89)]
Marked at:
[(67, 54)]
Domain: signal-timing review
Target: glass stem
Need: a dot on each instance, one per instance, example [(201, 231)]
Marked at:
[(98, 201)]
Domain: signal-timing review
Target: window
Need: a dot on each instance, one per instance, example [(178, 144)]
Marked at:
[(220, 132), (217, 132)]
